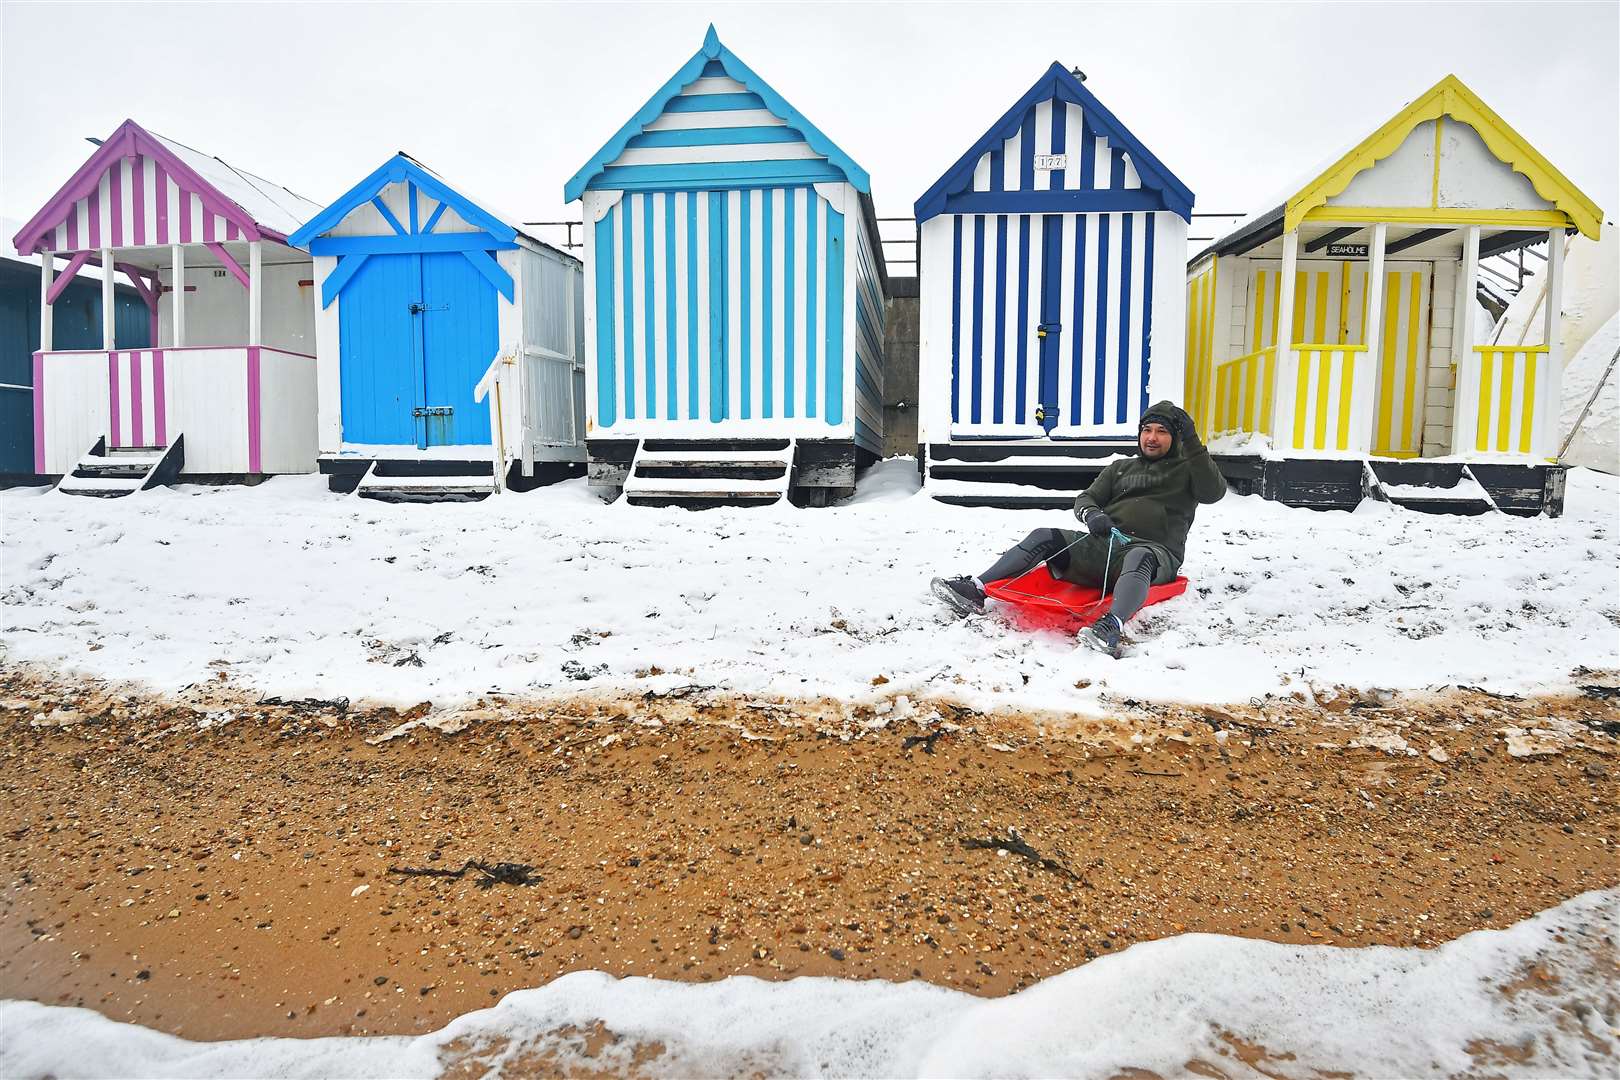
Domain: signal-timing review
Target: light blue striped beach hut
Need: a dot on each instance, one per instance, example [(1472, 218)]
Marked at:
[(734, 296), (1052, 295)]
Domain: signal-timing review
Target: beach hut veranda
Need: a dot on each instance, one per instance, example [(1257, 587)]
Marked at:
[(1051, 261), (734, 297), (224, 387), (1319, 390), (449, 344), (77, 325)]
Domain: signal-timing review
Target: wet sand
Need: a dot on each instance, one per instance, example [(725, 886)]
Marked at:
[(232, 870)]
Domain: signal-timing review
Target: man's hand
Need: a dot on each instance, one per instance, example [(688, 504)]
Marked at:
[(1099, 523), (1186, 430)]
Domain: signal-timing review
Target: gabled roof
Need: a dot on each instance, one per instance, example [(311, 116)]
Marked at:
[(1449, 97), (714, 52), (260, 208), (399, 169), (1057, 83)]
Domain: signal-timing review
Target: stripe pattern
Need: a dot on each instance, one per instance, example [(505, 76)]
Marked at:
[(1053, 127), (136, 392), (715, 130), (721, 305), (1090, 369), (137, 203), (1200, 394), (1324, 396), (1330, 309), (1509, 378)]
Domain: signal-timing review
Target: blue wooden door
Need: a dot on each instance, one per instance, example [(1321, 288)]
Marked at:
[(1050, 331), (460, 334), (417, 333), (380, 356)]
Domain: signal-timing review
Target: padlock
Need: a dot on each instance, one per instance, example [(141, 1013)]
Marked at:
[(1040, 410)]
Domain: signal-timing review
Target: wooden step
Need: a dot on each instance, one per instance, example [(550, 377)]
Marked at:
[(427, 488)]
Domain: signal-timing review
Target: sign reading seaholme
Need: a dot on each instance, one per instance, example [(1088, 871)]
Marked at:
[(1048, 162), (1347, 251)]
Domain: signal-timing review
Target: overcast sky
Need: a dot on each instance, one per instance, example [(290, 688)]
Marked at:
[(508, 100)]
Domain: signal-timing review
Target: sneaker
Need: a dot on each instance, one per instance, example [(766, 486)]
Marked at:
[(1103, 635), (961, 594)]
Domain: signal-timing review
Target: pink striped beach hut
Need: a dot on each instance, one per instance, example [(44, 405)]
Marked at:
[(226, 390)]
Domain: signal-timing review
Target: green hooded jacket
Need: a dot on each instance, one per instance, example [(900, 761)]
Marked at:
[(1155, 501)]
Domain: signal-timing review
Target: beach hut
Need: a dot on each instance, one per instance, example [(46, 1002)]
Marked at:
[(1320, 390), (225, 388), (77, 325), (1051, 259), (734, 297), (448, 343)]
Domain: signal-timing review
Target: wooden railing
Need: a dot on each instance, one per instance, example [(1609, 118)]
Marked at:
[(1244, 391), (1332, 396), (506, 435), (1504, 400)]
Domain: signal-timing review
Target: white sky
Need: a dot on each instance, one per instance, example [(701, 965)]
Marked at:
[(509, 100)]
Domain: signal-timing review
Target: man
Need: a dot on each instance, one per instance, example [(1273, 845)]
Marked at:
[(1150, 498)]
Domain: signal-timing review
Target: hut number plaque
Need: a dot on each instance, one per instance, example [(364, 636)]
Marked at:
[(1347, 251), (1048, 162)]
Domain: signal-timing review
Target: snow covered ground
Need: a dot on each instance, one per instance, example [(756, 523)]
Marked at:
[(292, 590), (1474, 1006)]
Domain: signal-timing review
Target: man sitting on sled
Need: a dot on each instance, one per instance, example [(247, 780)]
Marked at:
[(1150, 499)]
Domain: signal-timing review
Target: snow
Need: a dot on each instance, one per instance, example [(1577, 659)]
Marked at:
[(266, 202), (1159, 1005), (1597, 444), (292, 590)]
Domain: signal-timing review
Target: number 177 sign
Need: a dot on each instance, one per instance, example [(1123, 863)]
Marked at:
[(1048, 162)]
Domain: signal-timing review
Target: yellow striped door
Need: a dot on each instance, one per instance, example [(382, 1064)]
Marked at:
[(1330, 305), (1403, 360)]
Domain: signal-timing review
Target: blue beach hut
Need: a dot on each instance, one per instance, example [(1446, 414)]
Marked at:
[(447, 341), (1052, 300), (734, 297)]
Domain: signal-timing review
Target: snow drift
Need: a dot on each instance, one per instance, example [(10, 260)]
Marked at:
[(1535, 999)]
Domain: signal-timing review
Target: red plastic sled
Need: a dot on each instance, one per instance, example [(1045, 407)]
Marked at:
[(1040, 601)]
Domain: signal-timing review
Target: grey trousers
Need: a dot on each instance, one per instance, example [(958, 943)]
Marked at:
[(1132, 570)]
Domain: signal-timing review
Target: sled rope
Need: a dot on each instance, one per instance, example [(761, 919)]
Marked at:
[(1108, 561)]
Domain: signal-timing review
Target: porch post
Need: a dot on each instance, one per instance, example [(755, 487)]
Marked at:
[(47, 321), (1362, 411), (1465, 396), (109, 325), (1549, 396), (177, 307), (255, 292), (1282, 426)]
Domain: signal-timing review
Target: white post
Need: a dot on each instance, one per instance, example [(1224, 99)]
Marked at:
[(1549, 394), (1465, 401), (47, 320), (1282, 422), (109, 331), (177, 307), (1361, 406), (255, 292)]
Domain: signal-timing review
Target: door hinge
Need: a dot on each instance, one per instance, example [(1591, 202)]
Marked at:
[(433, 410)]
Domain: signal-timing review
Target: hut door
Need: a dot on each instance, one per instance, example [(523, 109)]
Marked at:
[(459, 337), (1049, 332)]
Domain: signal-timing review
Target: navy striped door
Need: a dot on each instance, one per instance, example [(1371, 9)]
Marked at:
[(1086, 278)]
